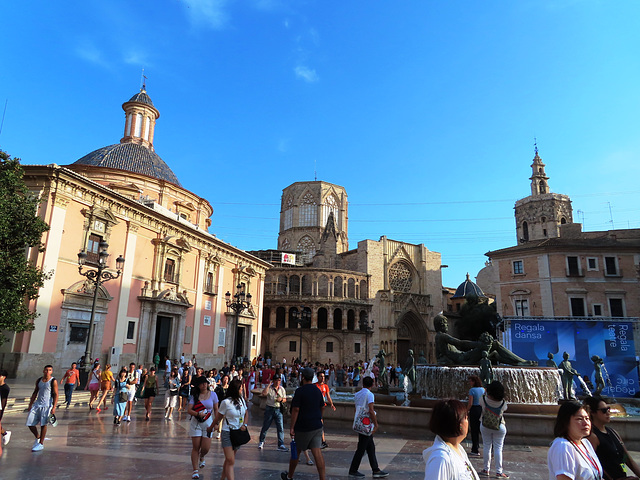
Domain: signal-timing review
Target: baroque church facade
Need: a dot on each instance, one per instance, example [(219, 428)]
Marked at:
[(382, 295), (169, 297)]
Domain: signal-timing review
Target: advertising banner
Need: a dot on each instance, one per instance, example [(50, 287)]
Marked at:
[(533, 339), (288, 258)]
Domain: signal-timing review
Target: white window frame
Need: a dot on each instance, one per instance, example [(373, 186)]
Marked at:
[(593, 309), (594, 269), (519, 307), (617, 272), (577, 257), (584, 304), (624, 306)]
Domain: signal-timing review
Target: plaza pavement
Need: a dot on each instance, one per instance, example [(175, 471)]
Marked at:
[(87, 445)]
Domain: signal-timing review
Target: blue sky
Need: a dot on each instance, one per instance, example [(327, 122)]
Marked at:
[(425, 111)]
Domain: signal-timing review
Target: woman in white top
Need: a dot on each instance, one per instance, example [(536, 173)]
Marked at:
[(234, 415), (203, 407), (446, 459), (571, 456), (493, 405)]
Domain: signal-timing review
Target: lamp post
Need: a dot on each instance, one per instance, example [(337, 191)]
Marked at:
[(97, 278), (364, 327), (241, 301), (302, 319)]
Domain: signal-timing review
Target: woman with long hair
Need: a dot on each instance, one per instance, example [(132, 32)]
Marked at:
[(609, 447), (203, 408), (93, 385), (106, 379), (119, 386), (185, 389), (221, 392), (475, 412), (171, 395), (446, 458), (150, 391), (570, 451), (493, 404), (233, 414)]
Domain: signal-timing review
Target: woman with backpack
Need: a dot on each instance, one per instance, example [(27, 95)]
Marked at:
[(493, 427)]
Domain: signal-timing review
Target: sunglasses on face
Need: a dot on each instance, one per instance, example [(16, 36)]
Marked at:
[(605, 410)]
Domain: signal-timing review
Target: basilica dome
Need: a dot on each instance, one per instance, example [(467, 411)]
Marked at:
[(135, 152), (468, 288)]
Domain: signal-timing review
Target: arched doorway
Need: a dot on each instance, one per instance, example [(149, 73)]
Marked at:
[(412, 334)]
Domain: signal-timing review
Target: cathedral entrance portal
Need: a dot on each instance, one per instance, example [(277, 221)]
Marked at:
[(163, 332), (412, 334)]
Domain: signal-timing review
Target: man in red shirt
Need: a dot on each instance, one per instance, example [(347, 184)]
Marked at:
[(324, 388), (70, 380), (267, 374)]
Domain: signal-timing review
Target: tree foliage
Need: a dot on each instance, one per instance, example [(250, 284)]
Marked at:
[(20, 230), (476, 317)]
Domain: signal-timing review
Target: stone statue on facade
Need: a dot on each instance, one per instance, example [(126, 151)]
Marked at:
[(550, 362), (454, 351), (486, 369), (422, 359), (410, 370), (568, 373), (598, 364)]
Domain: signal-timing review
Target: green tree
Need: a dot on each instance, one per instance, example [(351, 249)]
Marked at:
[(476, 317), (20, 229)]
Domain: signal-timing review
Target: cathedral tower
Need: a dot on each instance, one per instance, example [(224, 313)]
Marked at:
[(540, 215), (306, 208)]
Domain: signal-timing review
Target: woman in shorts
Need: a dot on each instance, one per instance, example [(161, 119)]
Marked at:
[(94, 384), (106, 380), (150, 391), (203, 407), (233, 414), (171, 395)]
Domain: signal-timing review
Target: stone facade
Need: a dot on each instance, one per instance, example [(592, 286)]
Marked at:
[(394, 287)]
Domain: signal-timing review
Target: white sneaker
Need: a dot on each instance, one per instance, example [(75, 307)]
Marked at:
[(37, 441), (260, 445), (202, 463), (6, 437), (218, 435), (37, 447), (170, 419)]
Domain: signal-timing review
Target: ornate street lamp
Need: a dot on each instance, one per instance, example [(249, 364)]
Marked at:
[(97, 278), (364, 327), (239, 304), (302, 319)]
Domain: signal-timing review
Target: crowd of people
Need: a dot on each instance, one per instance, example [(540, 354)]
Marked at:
[(584, 448)]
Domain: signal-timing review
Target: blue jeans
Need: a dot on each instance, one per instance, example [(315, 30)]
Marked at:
[(271, 414), (68, 390)]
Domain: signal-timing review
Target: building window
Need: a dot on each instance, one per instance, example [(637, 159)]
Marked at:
[(400, 277), (308, 212), (208, 283), (293, 347), (329, 347), (592, 263), (78, 333), (518, 267), (616, 308), (288, 219), (610, 266), (573, 266), (330, 206), (131, 330), (93, 248), (522, 308), (356, 348), (597, 310), (525, 231), (307, 246), (169, 270), (577, 307)]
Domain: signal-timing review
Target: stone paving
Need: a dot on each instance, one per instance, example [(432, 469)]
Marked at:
[(87, 445)]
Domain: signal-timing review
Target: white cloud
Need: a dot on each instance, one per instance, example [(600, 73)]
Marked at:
[(135, 57), (209, 12), (91, 54), (307, 74)]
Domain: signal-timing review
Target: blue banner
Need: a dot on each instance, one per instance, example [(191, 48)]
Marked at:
[(533, 339)]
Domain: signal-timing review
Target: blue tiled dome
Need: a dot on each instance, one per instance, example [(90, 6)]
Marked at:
[(467, 288), (142, 97), (132, 158)]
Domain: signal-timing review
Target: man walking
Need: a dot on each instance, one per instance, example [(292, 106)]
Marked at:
[(167, 371), (324, 389), (42, 404), (133, 380), (4, 397), (276, 396), (306, 423), (364, 399), (70, 379)]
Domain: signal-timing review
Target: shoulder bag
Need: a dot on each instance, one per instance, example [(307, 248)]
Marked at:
[(238, 436), (491, 417), (362, 422)]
